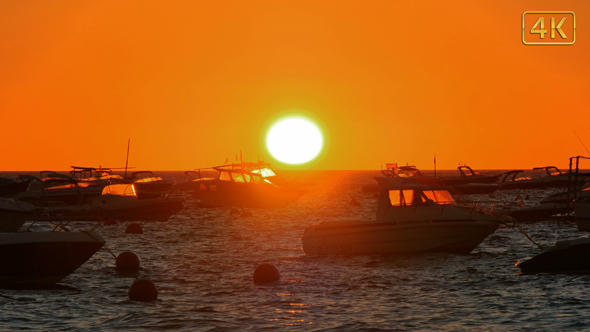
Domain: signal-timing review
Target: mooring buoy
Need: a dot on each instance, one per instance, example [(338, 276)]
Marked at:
[(134, 228), (127, 262), (266, 273), (143, 290)]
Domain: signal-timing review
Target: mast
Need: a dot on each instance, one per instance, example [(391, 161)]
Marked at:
[(435, 166), (127, 160)]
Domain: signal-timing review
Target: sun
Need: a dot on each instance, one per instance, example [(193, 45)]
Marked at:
[(294, 140)]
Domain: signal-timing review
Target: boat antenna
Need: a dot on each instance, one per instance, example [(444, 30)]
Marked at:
[(581, 142), (127, 160), (435, 165)]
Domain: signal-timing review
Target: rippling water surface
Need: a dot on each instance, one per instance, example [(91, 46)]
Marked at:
[(202, 262)]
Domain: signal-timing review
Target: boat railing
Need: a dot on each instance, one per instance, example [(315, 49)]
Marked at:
[(489, 207)]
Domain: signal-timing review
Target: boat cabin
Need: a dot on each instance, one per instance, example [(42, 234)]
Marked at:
[(414, 197), (245, 172)]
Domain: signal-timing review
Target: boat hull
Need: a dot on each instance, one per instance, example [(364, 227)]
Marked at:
[(582, 214), (568, 259), (458, 237), (43, 258), (121, 208), (11, 221)]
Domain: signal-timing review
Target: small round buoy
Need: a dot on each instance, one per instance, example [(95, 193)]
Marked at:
[(354, 202), (234, 211), (246, 214), (266, 273), (143, 290), (109, 222), (127, 262), (134, 228), (527, 197)]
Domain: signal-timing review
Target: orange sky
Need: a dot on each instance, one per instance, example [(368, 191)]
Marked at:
[(194, 82)]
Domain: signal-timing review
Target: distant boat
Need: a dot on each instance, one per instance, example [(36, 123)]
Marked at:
[(147, 184), (244, 185), (57, 188), (543, 177), (540, 212), (33, 259), (120, 202), (468, 183), (11, 188), (411, 217), (468, 175)]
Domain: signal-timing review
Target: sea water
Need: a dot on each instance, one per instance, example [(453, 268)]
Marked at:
[(202, 261)]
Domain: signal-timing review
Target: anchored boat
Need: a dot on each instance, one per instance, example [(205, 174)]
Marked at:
[(44, 258), (244, 185), (411, 217)]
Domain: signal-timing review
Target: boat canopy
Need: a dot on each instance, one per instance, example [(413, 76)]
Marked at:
[(120, 190), (250, 168)]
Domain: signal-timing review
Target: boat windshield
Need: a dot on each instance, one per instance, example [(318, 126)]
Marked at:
[(150, 179), (120, 190), (439, 196), (264, 172), (238, 177)]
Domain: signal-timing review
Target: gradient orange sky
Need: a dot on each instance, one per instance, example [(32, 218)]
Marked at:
[(194, 82)]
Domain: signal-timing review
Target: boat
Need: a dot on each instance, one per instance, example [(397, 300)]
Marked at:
[(540, 212), (468, 175), (34, 259), (120, 202), (392, 170), (512, 180), (192, 181), (564, 197), (58, 189), (14, 213), (410, 217), (244, 185), (566, 256), (99, 175), (462, 187), (147, 184), (11, 188)]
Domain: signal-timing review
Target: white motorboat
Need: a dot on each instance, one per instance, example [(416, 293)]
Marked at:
[(43, 258), (244, 185), (411, 217)]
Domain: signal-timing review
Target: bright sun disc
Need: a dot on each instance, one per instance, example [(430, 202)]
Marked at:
[(294, 140)]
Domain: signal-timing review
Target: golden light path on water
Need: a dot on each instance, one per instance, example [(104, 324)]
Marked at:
[(294, 140)]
